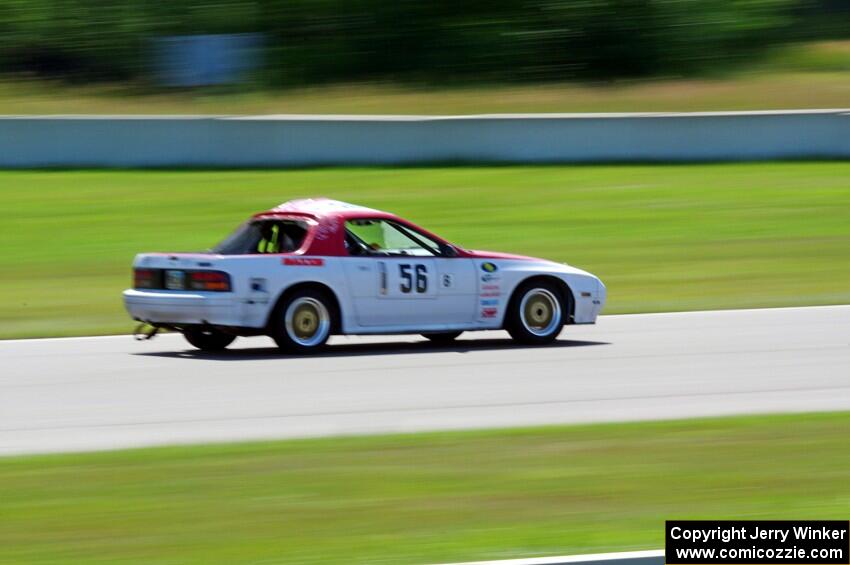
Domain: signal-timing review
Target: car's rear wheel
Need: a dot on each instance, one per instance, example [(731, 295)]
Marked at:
[(442, 337), (303, 323), (536, 313), (208, 339)]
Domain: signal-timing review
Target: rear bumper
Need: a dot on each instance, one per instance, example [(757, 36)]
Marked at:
[(182, 307)]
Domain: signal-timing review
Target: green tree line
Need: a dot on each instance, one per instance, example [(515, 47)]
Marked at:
[(310, 41)]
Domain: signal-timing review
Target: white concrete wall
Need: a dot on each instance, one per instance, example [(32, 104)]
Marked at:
[(281, 141)]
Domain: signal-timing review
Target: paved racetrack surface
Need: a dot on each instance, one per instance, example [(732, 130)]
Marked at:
[(102, 393)]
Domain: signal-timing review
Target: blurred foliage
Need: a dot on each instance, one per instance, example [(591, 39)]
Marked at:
[(309, 41)]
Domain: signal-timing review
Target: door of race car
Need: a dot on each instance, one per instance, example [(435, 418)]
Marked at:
[(396, 278)]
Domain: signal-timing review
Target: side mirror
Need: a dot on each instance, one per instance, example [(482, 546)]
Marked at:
[(448, 251)]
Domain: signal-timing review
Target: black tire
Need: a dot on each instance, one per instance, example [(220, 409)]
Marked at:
[(536, 313), (302, 324), (208, 339), (442, 338)]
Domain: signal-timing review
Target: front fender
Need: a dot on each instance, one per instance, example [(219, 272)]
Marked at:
[(587, 290)]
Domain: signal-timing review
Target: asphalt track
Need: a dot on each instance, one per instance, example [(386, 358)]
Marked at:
[(111, 392)]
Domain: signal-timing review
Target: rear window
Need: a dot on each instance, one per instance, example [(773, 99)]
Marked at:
[(264, 236)]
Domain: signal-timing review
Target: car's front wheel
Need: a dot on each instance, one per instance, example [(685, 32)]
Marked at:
[(303, 323), (535, 314), (208, 339)]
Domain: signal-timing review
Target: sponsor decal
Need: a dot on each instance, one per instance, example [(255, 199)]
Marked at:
[(303, 262), (489, 267), (489, 312), (489, 277), (448, 280), (490, 290), (490, 302)]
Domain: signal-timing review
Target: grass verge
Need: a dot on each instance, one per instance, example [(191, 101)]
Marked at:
[(772, 89), (421, 498), (663, 238)]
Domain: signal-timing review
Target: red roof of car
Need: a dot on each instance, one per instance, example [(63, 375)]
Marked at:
[(322, 207), (328, 239), (330, 215)]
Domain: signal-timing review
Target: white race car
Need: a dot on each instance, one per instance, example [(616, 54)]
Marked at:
[(316, 267)]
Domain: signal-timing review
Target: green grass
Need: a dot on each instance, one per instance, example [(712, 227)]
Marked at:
[(421, 498), (768, 90), (663, 238)]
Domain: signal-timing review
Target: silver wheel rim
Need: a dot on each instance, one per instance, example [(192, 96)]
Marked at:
[(307, 321), (540, 312)]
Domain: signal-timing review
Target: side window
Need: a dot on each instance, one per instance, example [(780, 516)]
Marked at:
[(264, 236), (280, 236), (270, 237), (380, 237)]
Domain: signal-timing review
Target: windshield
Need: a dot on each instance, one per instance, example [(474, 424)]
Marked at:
[(381, 237), (264, 236)]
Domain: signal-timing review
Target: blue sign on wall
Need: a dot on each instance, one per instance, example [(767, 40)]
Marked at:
[(201, 60)]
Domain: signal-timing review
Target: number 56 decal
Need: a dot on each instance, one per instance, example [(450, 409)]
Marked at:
[(413, 277)]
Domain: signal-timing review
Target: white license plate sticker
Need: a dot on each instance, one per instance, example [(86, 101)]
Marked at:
[(175, 280)]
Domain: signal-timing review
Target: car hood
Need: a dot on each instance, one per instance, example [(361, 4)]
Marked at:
[(479, 254), (555, 266)]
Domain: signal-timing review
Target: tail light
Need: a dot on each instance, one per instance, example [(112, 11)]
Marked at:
[(178, 279), (215, 281), (145, 278)]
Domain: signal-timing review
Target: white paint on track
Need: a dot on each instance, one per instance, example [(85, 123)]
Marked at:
[(655, 556), (79, 394)]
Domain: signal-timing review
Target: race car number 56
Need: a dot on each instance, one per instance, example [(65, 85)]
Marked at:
[(417, 279)]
